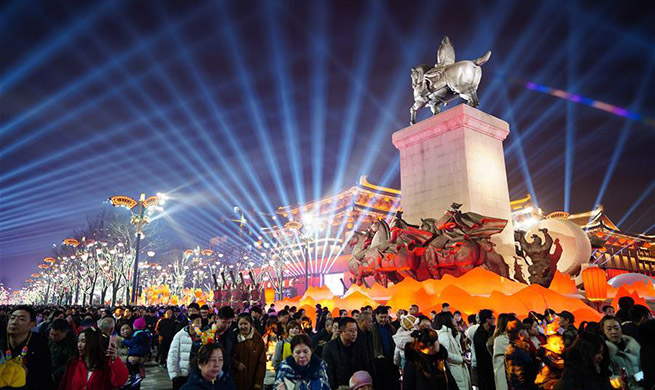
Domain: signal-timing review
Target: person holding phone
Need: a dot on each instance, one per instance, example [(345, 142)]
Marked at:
[(93, 367), (624, 353)]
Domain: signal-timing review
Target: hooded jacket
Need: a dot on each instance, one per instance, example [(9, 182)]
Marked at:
[(401, 338), (179, 354), (139, 343)]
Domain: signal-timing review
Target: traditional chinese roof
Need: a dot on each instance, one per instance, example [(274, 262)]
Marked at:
[(593, 219), (363, 200), (521, 203), (598, 224)]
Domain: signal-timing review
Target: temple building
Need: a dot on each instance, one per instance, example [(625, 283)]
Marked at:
[(316, 233), (315, 236), (615, 251)]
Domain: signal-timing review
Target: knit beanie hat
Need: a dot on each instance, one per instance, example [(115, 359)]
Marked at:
[(408, 322), (359, 379), (139, 324)]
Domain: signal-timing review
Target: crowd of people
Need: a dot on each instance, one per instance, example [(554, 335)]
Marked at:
[(203, 347)]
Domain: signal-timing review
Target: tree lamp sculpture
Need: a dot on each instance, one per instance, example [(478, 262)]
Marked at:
[(139, 219)]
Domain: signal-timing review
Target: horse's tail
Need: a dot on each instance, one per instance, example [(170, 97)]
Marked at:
[(482, 60)]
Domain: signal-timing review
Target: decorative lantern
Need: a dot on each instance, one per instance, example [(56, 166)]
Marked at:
[(595, 284)]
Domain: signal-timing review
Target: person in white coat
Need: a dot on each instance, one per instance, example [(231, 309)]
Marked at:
[(499, 345), (408, 324), (470, 332), (179, 353), (449, 338)]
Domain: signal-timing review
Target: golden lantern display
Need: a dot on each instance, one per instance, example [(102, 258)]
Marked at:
[(71, 242)]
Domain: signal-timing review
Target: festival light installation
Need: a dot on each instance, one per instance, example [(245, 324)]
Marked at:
[(146, 205)]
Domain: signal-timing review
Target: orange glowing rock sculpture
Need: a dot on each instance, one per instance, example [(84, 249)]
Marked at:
[(420, 297), (563, 284), (460, 300), (480, 281), (475, 290), (623, 292), (407, 286), (356, 300), (645, 290), (318, 293)]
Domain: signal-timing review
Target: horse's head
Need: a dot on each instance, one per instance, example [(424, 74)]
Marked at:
[(425, 225), (354, 239), (375, 226), (429, 225), (417, 75)]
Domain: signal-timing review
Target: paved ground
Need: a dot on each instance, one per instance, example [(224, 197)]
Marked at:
[(156, 378)]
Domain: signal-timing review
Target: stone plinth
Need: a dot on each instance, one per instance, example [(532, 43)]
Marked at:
[(456, 156)]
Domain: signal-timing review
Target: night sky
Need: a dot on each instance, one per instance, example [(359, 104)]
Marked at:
[(264, 104)]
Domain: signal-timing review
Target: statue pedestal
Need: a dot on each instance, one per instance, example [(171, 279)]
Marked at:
[(456, 156)]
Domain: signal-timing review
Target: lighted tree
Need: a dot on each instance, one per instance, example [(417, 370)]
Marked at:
[(4, 294)]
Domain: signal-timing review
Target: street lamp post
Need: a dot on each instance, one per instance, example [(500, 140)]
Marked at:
[(139, 219), (307, 263), (310, 225)]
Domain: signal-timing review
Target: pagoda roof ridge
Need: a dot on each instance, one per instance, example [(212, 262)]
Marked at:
[(362, 185)]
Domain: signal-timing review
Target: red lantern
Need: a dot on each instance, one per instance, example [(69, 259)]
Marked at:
[(595, 284)]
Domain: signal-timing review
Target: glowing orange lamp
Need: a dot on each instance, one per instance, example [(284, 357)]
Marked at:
[(595, 284)]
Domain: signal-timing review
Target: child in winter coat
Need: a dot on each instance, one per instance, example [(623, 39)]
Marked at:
[(408, 324), (138, 348)]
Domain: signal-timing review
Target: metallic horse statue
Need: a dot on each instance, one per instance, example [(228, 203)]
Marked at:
[(434, 86)]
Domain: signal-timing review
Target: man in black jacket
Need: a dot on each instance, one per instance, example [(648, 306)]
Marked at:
[(19, 340), (227, 338), (638, 315), (63, 346), (340, 354), (165, 329), (258, 319), (386, 373), (364, 343), (485, 369)]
